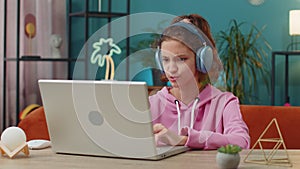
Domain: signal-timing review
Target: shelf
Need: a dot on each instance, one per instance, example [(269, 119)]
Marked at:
[(294, 52), (286, 54), (45, 59), (97, 14), (87, 13), (35, 58)]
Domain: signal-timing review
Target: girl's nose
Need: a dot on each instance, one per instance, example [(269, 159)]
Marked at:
[(172, 66)]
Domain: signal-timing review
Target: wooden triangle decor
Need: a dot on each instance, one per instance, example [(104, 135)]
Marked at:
[(268, 155), (12, 154)]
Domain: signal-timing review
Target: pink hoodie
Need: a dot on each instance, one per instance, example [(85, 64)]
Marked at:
[(217, 118)]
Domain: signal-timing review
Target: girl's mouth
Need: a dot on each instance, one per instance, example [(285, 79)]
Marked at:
[(172, 78)]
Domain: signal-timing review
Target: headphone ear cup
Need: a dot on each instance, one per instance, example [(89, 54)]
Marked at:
[(158, 59), (204, 59)]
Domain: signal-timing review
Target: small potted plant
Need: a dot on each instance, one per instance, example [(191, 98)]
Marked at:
[(228, 156)]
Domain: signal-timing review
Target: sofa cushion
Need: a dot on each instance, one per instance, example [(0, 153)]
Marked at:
[(258, 117), (34, 125)]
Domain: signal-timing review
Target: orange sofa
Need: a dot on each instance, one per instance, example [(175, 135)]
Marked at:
[(258, 117)]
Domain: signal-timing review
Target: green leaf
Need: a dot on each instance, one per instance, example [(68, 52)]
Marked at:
[(244, 53), (230, 149)]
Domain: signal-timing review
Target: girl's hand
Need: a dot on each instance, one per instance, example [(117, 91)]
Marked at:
[(166, 136)]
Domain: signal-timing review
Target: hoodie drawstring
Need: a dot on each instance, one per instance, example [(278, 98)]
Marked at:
[(179, 114)]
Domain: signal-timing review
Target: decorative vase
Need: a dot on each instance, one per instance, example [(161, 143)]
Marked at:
[(228, 161)]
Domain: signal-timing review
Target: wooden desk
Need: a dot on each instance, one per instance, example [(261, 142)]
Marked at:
[(192, 159)]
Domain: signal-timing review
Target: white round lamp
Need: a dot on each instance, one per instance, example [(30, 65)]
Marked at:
[(13, 140), (13, 137)]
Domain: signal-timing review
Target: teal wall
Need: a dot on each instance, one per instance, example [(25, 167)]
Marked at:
[(272, 13)]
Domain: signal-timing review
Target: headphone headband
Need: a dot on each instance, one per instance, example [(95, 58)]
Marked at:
[(191, 28)]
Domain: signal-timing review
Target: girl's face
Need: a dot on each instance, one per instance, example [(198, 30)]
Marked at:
[(178, 63)]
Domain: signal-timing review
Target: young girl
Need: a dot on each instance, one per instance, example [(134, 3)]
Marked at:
[(192, 112)]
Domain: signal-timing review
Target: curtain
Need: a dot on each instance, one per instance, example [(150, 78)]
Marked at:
[(1, 62), (50, 18)]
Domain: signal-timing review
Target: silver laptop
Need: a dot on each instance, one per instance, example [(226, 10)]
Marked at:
[(101, 118)]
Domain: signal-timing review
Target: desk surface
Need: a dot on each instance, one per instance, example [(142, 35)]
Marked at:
[(192, 159)]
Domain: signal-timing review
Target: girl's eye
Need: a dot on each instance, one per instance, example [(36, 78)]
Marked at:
[(182, 59), (165, 59)]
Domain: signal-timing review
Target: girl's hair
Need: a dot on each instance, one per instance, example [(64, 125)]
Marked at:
[(187, 38)]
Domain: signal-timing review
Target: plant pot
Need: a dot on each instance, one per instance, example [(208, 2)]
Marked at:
[(228, 161)]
